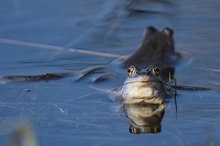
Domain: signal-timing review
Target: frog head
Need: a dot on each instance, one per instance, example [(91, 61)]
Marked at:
[(143, 86)]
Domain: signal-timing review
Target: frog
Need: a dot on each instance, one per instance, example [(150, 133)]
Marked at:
[(143, 95)]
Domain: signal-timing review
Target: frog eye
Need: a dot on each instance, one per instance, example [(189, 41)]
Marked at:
[(155, 70), (131, 71)]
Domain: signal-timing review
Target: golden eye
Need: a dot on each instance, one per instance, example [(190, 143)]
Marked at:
[(155, 70), (131, 71)]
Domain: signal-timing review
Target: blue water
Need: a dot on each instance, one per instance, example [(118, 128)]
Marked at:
[(36, 37)]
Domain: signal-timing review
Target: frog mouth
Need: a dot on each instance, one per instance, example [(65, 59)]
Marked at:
[(144, 81)]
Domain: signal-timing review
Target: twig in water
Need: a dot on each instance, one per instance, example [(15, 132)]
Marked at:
[(56, 48)]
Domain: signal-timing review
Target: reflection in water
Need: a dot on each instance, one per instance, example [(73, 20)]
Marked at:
[(144, 118)]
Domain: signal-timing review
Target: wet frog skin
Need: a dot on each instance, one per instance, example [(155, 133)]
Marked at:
[(143, 86)]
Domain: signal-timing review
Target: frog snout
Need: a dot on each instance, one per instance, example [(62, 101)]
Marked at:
[(144, 76)]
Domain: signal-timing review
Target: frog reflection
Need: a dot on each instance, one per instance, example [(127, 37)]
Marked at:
[(144, 118), (143, 95)]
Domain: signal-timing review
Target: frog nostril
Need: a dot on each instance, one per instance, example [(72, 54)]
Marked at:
[(144, 75)]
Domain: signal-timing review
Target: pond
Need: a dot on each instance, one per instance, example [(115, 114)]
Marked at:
[(71, 35)]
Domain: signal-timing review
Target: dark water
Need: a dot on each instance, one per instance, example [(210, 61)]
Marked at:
[(35, 37)]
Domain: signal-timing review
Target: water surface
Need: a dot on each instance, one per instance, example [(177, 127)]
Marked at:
[(65, 112)]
